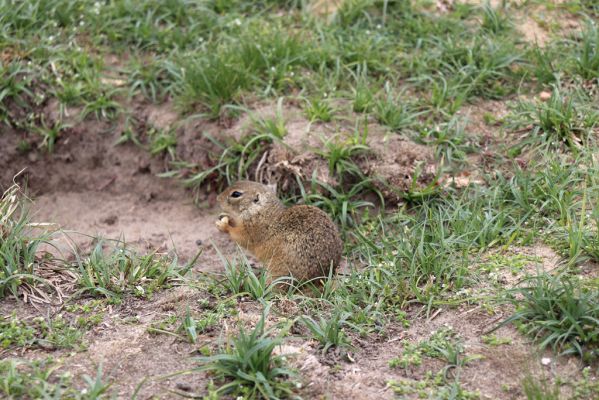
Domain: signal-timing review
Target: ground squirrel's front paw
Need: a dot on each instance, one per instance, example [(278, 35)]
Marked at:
[(223, 222)]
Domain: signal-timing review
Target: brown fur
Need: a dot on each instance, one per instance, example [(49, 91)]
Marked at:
[(299, 241)]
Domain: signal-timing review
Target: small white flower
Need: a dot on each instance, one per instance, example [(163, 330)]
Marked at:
[(237, 22)]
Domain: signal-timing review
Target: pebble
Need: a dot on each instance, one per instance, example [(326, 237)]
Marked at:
[(545, 360)]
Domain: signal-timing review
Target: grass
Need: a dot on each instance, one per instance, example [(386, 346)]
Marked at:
[(19, 244), (112, 269), (559, 313), (190, 326), (328, 332), (52, 331), (241, 280), (399, 68), (559, 121), (249, 366), (537, 390), (42, 379)]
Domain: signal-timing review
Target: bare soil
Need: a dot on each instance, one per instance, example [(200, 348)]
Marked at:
[(91, 187)]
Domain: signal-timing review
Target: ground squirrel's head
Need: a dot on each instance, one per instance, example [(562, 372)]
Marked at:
[(246, 199)]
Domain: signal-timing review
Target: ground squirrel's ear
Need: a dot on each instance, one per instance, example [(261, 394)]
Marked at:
[(257, 198)]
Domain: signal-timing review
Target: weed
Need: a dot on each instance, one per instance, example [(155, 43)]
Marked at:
[(18, 244), (363, 98), (163, 142), (103, 106), (586, 62), (191, 325), (341, 153), (446, 96), (235, 159), (559, 313), (328, 332), (240, 279), (15, 80), (51, 333), (213, 81), (512, 263), (557, 122), (434, 387), (249, 366), (411, 356), (494, 21), (152, 79), (539, 389), (452, 355), (395, 112), (342, 206), (449, 140), (40, 379), (544, 64), (272, 128), (119, 270), (493, 340), (319, 110), (440, 344)]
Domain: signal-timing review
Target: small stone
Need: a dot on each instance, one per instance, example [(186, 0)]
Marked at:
[(545, 360), (183, 386), (110, 220), (544, 96)]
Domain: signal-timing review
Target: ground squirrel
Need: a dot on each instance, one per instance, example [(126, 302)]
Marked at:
[(300, 241)]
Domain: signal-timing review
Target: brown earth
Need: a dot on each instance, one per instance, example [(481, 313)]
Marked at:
[(95, 188)]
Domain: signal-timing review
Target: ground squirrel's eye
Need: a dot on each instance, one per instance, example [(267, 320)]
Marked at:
[(236, 194)]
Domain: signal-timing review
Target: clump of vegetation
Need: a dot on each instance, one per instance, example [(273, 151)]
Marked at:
[(442, 344), (19, 244), (249, 366), (50, 333), (559, 313), (563, 120), (328, 331), (39, 379), (191, 325), (112, 269)]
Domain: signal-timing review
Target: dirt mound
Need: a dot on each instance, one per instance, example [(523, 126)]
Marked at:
[(92, 186), (394, 163)]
